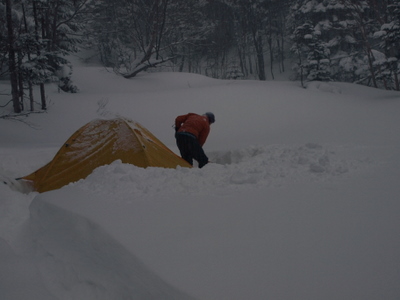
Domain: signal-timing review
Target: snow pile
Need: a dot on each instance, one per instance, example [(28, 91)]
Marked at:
[(300, 200), (258, 166), (78, 259)]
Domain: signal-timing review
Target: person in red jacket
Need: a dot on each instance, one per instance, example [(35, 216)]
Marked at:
[(191, 133)]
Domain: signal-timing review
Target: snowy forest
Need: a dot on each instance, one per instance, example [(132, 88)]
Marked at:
[(315, 40)]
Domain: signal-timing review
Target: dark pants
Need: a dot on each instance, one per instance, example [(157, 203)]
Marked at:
[(190, 148)]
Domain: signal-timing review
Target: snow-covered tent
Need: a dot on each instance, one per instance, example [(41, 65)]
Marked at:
[(100, 142)]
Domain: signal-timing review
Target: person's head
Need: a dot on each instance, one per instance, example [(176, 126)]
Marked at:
[(210, 116)]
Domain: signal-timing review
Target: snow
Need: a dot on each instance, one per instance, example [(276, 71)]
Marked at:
[(308, 36), (301, 200)]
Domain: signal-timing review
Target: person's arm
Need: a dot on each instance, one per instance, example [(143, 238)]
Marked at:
[(179, 120)]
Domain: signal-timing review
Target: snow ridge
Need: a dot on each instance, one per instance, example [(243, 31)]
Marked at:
[(82, 267), (256, 165)]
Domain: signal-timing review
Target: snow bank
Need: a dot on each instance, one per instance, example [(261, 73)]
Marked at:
[(78, 259), (19, 277)]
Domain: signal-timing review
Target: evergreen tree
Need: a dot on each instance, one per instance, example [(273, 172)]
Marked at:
[(40, 35), (59, 36), (312, 53), (318, 58), (389, 35), (334, 31), (365, 24)]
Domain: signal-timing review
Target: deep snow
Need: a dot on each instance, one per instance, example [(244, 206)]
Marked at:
[(301, 200)]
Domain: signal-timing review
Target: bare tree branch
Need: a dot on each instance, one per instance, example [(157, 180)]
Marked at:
[(21, 117), (146, 65)]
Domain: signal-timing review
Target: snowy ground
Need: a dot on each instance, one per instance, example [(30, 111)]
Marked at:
[(301, 202)]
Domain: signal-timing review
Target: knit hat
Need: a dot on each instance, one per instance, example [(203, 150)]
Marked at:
[(211, 117)]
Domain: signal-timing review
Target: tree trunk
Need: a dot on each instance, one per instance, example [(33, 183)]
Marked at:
[(21, 86), (153, 36), (31, 102), (371, 62), (271, 56), (396, 82), (282, 49), (162, 26), (260, 58), (43, 96), (11, 59), (301, 70), (30, 87), (42, 89)]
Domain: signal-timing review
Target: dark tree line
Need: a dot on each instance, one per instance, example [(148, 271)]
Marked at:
[(339, 40), (36, 36)]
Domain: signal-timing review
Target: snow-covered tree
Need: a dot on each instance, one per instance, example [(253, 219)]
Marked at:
[(59, 34), (234, 71), (334, 36), (313, 54), (40, 34), (318, 58), (389, 36)]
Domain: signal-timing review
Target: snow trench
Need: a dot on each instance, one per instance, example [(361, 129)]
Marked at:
[(275, 162), (310, 154)]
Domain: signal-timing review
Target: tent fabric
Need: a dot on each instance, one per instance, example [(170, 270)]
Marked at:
[(100, 142)]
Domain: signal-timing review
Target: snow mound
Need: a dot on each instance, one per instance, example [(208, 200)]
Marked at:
[(19, 279), (257, 166), (78, 262)]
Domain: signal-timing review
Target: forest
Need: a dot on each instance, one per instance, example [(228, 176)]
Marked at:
[(356, 41)]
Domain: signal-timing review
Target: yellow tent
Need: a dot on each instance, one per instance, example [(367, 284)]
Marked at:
[(100, 142)]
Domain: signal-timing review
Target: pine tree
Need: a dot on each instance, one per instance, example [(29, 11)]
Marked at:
[(40, 35), (59, 30), (318, 58), (389, 35), (338, 34), (362, 61)]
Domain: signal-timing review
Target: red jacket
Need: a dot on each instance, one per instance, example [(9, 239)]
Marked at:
[(194, 124)]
